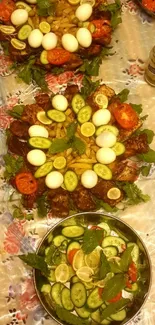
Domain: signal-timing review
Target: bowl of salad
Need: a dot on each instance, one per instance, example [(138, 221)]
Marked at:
[(91, 269)]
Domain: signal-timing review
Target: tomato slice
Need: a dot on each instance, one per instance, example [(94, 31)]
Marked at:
[(71, 254), (102, 28), (96, 228), (126, 116), (58, 56), (132, 272), (6, 9), (26, 183), (100, 291), (116, 298), (149, 4)]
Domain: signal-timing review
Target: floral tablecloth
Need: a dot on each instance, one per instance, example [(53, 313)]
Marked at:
[(132, 42)]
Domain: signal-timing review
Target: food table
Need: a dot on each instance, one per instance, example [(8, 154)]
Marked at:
[(132, 42)]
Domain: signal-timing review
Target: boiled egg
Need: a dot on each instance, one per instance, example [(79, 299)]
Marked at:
[(54, 179), (19, 17), (35, 38), (106, 139), (84, 12), (49, 41), (36, 157), (105, 155), (84, 37), (37, 131), (89, 178), (31, 1), (69, 42), (60, 102), (101, 117)]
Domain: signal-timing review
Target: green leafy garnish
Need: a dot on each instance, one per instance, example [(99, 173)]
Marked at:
[(134, 194), (148, 157), (138, 108), (5, 46), (57, 70), (123, 95), (42, 206), (114, 308), (71, 129), (18, 214), (115, 267), (126, 259), (145, 170), (104, 266), (115, 10), (143, 118), (114, 286), (16, 111), (91, 239), (46, 8), (49, 256), (35, 261), (78, 145), (59, 145), (12, 165), (150, 134), (88, 86), (70, 318), (105, 205)]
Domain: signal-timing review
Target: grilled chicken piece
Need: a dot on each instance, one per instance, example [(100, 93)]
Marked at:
[(20, 129), (74, 62), (105, 90), (30, 113), (82, 198), (71, 91), (101, 190), (135, 145), (17, 147), (125, 172), (92, 50), (43, 100), (59, 201), (125, 134)]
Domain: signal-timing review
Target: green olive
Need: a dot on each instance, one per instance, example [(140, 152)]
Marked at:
[(49, 19), (31, 13)]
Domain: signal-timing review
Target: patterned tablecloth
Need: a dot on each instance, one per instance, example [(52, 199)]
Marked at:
[(132, 42)]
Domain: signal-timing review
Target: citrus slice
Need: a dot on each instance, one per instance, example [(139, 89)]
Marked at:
[(59, 162), (85, 273), (7, 29), (62, 273), (114, 193), (93, 259), (87, 129), (24, 32), (101, 100), (41, 116), (74, 2), (78, 260), (19, 45), (91, 2), (101, 283), (44, 27)]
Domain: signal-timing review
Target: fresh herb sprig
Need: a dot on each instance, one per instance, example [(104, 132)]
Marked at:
[(115, 10), (70, 318), (46, 8), (134, 195), (12, 165), (91, 239), (35, 261), (16, 111), (114, 308)]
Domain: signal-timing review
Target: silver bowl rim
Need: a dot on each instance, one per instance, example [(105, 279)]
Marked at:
[(113, 217)]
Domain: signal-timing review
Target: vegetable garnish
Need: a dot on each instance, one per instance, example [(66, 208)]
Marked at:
[(26, 183)]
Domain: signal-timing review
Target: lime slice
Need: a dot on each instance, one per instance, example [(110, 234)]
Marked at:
[(7, 29), (78, 260), (87, 129), (41, 116), (114, 193), (91, 2), (43, 57), (19, 45), (44, 27), (74, 2), (93, 259), (101, 100), (59, 162), (24, 32), (62, 273), (85, 273)]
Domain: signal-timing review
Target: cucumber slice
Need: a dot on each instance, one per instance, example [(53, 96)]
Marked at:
[(75, 279), (73, 245), (51, 277), (77, 103), (43, 57), (24, 32), (78, 294), (106, 227), (135, 251), (44, 170), (23, 5), (95, 316), (56, 116), (84, 114), (119, 316), (94, 300), (39, 142), (106, 321), (56, 293), (57, 241), (66, 299), (70, 180), (63, 246), (46, 288), (103, 171), (107, 127), (114, 241), (47, 250), (118, 148), (133, 288), (50, 238), (73, 231), (110, 251), (82, 312)]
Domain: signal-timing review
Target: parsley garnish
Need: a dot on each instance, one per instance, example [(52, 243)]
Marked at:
[(134, 194), (137, 107), (16, 111), (150, 134), (145, 170), (12, 165), (148, 157), (115, 10), (123, 95), (88, 86), (46, 8), (70, 318), (91, 239), (42, 206)]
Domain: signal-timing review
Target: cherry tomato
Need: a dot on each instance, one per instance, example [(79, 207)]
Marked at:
[(126, 116), (116, 298), (26, 183), (58, 56), (102, 28), (6, 9), (132, 272), (96, 228), (149, 4), (123, 247), (100, 291), (71, 254)]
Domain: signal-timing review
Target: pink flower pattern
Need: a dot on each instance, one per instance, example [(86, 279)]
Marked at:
[(14, 235)]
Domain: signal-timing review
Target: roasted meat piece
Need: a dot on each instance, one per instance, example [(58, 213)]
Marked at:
[(59, 201), (105, 90), (74, 62), (136, 145), (29, 200), (92, 50), (20, 128), (71, 91), (101, 189), (17, 147), (125, 134), (43, 100), (125, 172), (83, 199), (30, 113)]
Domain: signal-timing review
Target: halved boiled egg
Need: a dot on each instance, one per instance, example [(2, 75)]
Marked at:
[(101, 117), (105, 155), (60, 102), (36, 157), (84, 12), (37, 131), (69, 42), (89, 178), (106, 139), (84, 37), (54, 180)]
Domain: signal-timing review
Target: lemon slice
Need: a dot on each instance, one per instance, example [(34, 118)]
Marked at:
[(41, 116), (7, 29), (101, 100), (19, 45), (74, 2), (91, 2), (44, 27), (87, 129), (62, 273), (78, 260), (85, 273), (101, 283), (114, 193), (93, 259), (59, 162)]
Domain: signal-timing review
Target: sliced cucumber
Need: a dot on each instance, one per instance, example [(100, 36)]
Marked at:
[(77, 103), (96, 317), (107, 127), (135, 251), (84, 114), (106, 227), (119, 316), (24, 32), (66, 299), (73, 245), (114, 241), (103, 171), (78, 294), (134, 287), (94, 300), (43, 57), (82, 312), (44, 169), (75, 279), (118, 148), (71, 272), (56, 293), (57, 240), (63, 246), (110, 251), (106, 321), (47, 250), (23, 5), (39, 142), (56, 116), (46, 288), (73, 231), (88, 285), (70, 180), (50, 238), (51, 277)]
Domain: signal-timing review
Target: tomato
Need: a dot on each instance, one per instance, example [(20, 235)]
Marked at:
[(100, 291), (6, 9), (126, 116), (133, 272), (128, 284), (71, 254), (116, 298), (149, 4), (26, 183), (102, 28), (58, 56), (96, 228)]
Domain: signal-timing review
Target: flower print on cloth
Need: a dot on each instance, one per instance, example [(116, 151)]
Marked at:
[(28, 299), (134, 9), (5, 65), (135, 70), (60, 82), (14, 236)]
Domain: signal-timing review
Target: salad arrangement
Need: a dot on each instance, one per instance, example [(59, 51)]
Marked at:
[(71, 151)]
